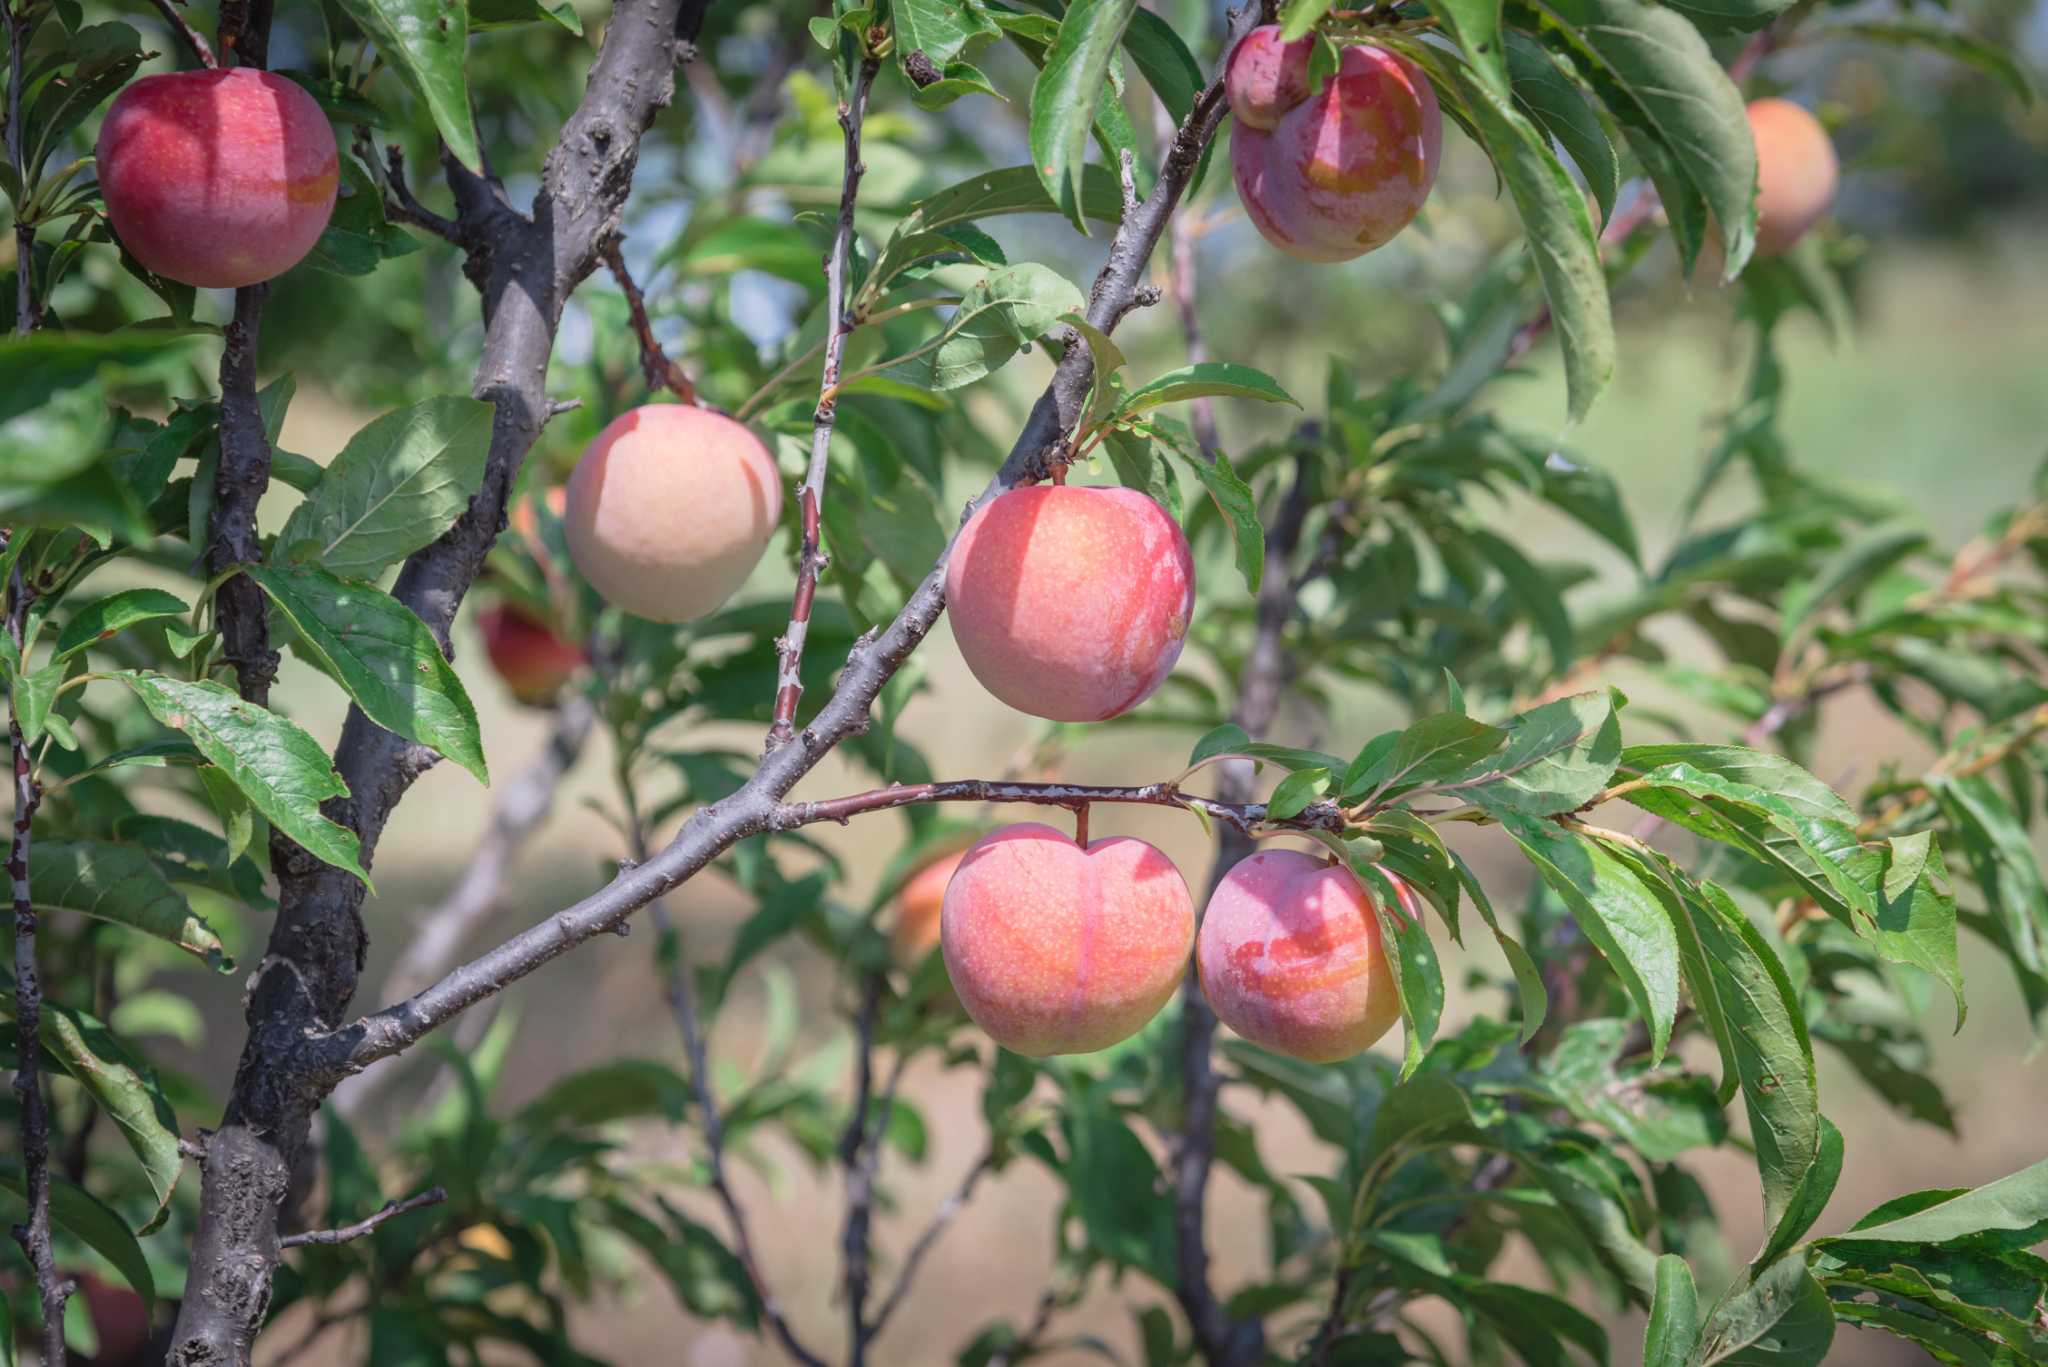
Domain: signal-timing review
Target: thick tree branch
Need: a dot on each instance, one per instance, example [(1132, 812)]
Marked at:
[(789, 686), (52, 1287), (391, 1210), (525, 266), (713, 829)]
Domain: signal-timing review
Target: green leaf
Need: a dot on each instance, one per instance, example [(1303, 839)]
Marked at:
[(1730, 16), (1986, 57), (1475, 25), (1297, 17), (1528, 977), (1846, 573), (1781, 1319), (127, 1090), (1909, 861), (123, 885), (383, 656), (1674, 1327), (1681, 91), (1661, 1117), (1622, 917), (1561, 109), (396, 487), (1165, 62), (83, 1215), (999, 313), (1809, 1199), (993, 194), (35, 693), (1296, 793), (2017, 1202), (1773, 773), (101, 618), (1533, 590), (1417, 975), (1439, 746), (1560, 234), (273, 762), (1064, 97), (959, 79), (1113, 1182), (426, 40), (1558, 756), (1240, 508), (1220, 378), (937, 29), (2002, 860), (1227, 739), (706, 1276), (623, 1089)]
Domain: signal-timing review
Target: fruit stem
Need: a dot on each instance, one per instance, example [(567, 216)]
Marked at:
[(1081, 825)]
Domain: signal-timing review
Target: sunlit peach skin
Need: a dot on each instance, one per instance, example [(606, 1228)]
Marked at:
[(533, 661), (1796, 173), (217, 178), (915, 932), (1335, 174), (1071, 603), (1290, 957), (1058, 950), (670, 509)]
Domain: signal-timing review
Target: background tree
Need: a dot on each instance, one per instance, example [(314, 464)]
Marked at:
[(836, 229)]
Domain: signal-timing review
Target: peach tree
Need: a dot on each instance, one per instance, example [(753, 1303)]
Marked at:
[(683, 319)]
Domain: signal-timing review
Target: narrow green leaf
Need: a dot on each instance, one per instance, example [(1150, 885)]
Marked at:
[(1240, 509), (1435, 747), (1780, 1319), (1561, 109), (1674, 1327), (383, 656), (101, 618), (272, 761), (427, 40), (999, 313), (1064, 97), (2016, 1202), (35, 693), (1475, 25), (83, 1215), (1809, 1199), (1528, 977), (126, 1089), (123, 885), (1558, 756), (396, 486), (1417, 975), (1297, 17), (2002, 860), (1909, 860), (1297, 792), (1846, 573), (1220, 378), (1531, 588)]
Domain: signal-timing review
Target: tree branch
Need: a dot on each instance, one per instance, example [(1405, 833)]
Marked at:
[(811, 560), (525, 267), (52, 1287), (944, 1216), (239, 480), (399, 201), (391, 1210), (857, 1148), (28, 310), (1222, 1339), (1242, 817), (713, 829), (184, 30), (659, 371)]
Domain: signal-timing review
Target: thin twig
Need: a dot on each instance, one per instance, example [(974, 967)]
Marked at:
[(1240, 816), (811, 559), (399, 201), (948, 1210), (1179, 271), (184, 30), (28, 310), (52, 1287), (390, 1210), (1027, 1344), (660, 372)]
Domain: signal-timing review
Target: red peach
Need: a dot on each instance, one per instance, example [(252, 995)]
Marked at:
[(1290, 957), (1054, 949), (1266, 77), (217, 178), (916, 930), (670, 509), (1071, 603), (1344, 170), (532, 660), (1796, 173)]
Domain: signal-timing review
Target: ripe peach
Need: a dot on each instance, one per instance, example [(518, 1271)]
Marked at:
[(1054, 949), (1290, 957), (670, 509), (217, 178), (1071, 603), (532, 660), (916, 930), (1330, 176), (1796, 173)]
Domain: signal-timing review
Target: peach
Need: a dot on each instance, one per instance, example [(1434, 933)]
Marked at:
[(916, 929), (670, 509), (1340, 172), (1290, 956), (217, 178), (1056, 949), (1071, 603), (1796, 173), (532, 660)]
